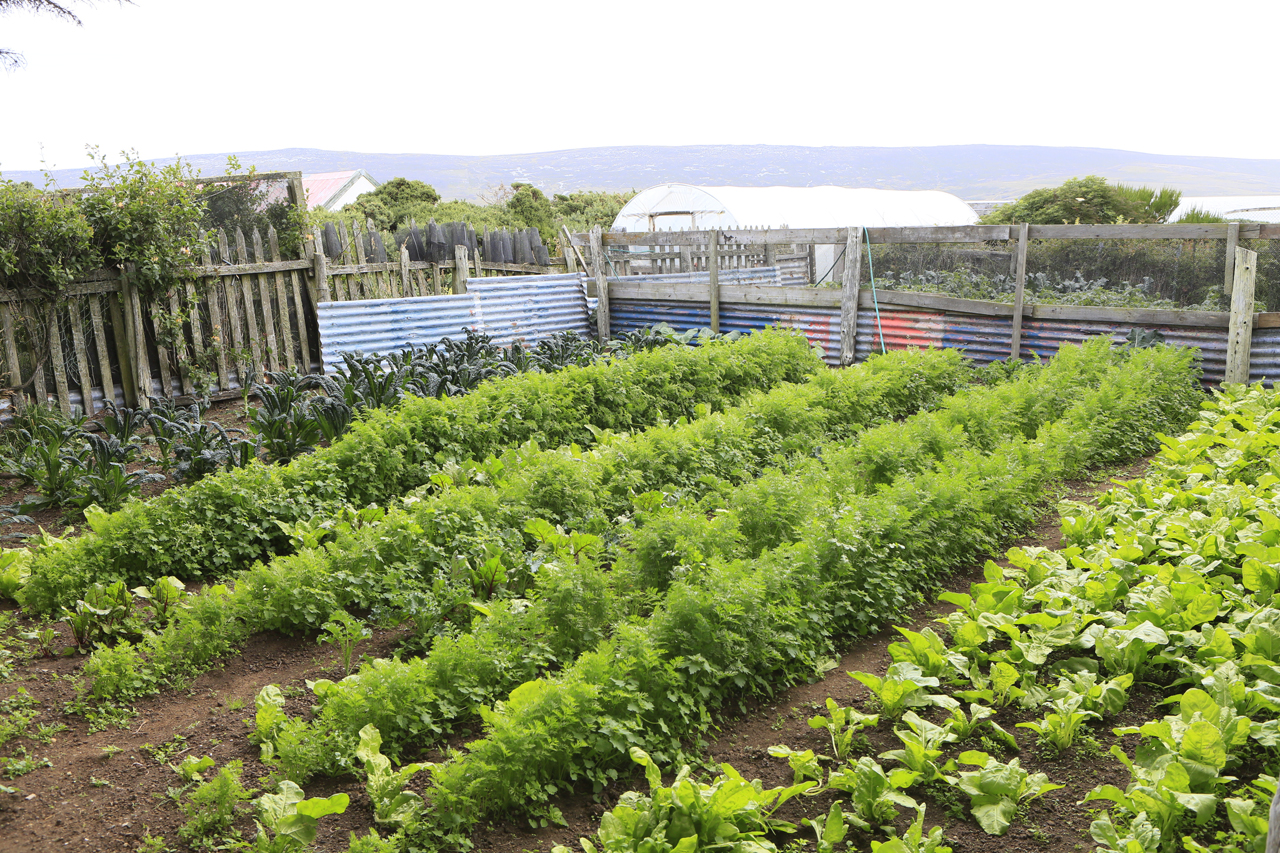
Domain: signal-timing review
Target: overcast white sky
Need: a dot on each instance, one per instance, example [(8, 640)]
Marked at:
[(169, 77)]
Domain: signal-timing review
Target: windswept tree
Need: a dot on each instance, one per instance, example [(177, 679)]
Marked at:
[(11, 58)]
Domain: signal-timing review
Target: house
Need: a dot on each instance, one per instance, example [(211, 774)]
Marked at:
[(333, 190)]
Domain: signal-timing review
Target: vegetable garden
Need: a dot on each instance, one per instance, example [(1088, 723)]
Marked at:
[(532, 590)]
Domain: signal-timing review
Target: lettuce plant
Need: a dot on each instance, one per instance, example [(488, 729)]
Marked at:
[(842, 724), (873, 794), (391, 803), (914, 840), (1059, 727), (902, 687), (995, 790), (922, 747)]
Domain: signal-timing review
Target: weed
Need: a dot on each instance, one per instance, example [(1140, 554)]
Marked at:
[(153, 844), (168, 750), (111, 750), (947, 798), (100, 783), (211, 808), (236, 704), (20, 764), (105, 716)]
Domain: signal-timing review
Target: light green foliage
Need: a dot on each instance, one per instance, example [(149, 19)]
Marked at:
[(1058, 729), (926, 650), (391, 803), (293, 819), (191, 768), (902, 687), (922, 747), (15, 568), (996, 789), (145, 216), (344, 631), (45, 240), (914, 840), (730, 812), (842, 724), (1087, 201), (873, 794), (213, 806)]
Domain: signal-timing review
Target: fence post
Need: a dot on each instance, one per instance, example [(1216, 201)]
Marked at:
[(713, 266), (849, 285), (1229, 262), (1015, 347), (770, 255), (1240, 328), (602, 285), (320, 263), (566, 249), (459, 270), (406, 289), (11, 355)]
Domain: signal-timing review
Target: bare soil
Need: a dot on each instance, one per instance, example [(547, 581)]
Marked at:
[(107, 789)]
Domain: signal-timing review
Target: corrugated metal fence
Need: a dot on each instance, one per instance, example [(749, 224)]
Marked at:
[(526, 308), (531, 307)]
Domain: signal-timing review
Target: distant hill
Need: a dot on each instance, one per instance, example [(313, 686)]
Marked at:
[(970, 171)]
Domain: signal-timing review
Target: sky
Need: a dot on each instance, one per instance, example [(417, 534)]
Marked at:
[(166, 77)]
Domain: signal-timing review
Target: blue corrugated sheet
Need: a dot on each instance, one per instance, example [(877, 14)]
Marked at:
[(1264, 355), (527, 308), (771, 276)]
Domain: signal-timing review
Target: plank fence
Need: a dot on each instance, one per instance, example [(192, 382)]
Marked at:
[(850, 322)]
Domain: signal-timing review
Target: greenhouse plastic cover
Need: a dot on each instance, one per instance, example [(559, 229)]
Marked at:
[(1251, 208), (684, 206)]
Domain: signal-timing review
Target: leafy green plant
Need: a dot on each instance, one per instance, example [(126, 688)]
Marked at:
[(914, 840), (902, 687), (213, 806), (392, 804), (729, 812), (996, 790), (344, 631), (292, 818), (874, 795), (1058, 728), (922, 746), (842, 724)]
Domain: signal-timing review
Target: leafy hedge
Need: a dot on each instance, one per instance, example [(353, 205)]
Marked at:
[(407, 562), (673, 547), (737, 626), (227, 521)]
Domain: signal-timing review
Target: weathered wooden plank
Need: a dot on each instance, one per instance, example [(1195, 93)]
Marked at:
[(286, 316), (602, 285), (13, 377), (210, 270), (349, 288), (368, 282), (713, 265), (124, 351), (1233, 242), (274, 361), (406, 281), (83, 288), (1128, 232), (1142, 316), (459, 269), (1240, 330), (163, 355), (435, 279), (321, 275), (100, 348), (1019, 293), (250, 314), (214, 294), (82, 355), (851, 280), (136, 333)]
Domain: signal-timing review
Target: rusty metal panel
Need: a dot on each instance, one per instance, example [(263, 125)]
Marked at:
[(527, 308), (896, 328)]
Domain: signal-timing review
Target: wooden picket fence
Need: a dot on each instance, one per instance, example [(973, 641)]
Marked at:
[(246, 311)]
